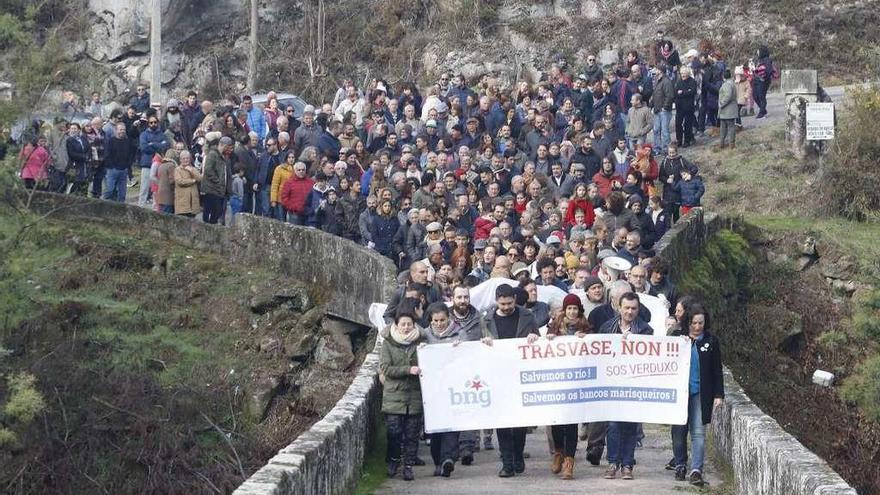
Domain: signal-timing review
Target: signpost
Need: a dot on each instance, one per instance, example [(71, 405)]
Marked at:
[(820, 121)]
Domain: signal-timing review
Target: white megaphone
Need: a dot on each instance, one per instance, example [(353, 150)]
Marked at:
[(615, 266)]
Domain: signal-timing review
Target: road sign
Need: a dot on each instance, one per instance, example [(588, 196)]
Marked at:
[(820, 121)]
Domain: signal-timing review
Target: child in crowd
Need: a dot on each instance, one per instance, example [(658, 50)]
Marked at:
[(237, 199), (743, 93), (691, 189)]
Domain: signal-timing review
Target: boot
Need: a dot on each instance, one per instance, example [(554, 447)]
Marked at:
[(568, 468), (556, 462)]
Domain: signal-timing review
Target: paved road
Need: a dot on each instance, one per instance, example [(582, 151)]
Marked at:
[(482, 477)]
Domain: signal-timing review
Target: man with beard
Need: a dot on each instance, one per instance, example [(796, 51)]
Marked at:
[(473, 327)]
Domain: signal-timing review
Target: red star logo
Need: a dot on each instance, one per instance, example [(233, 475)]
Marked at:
[(476, 385)]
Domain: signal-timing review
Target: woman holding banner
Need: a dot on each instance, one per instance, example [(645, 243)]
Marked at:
[(706, 388), (571, 321), (444, 330), (402, 393)]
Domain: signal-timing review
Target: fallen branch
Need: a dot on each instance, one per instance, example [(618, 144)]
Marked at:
[(228, 442)]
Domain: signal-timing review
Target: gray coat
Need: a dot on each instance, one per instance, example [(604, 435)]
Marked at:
[(727, 107), (524, 326), (473, 327)]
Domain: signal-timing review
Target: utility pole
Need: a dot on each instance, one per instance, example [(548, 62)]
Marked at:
[(156, 52)]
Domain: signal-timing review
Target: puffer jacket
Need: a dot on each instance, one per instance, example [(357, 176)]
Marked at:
[(295, 194), (402, 393), (279, 178), (691, 191)]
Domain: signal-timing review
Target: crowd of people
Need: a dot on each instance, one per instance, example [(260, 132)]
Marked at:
[(457, 183)]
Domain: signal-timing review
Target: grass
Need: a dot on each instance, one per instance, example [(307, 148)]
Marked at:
[(374, 463)]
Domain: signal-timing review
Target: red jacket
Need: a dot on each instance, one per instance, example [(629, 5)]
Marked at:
[(295, 192), (583, 204), (482, 227), (603, 182)]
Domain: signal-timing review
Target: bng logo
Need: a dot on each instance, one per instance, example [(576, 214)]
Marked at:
[(476, 392)]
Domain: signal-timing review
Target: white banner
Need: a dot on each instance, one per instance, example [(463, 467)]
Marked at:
[(560, 381)]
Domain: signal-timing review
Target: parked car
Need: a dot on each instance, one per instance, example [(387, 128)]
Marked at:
[(284, 99)]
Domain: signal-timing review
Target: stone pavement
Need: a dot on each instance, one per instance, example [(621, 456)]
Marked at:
[(482, 476)]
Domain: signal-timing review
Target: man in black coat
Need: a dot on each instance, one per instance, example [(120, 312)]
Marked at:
[(685, 94)]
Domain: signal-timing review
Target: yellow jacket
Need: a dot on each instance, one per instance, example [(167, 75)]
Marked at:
[(282, 173)]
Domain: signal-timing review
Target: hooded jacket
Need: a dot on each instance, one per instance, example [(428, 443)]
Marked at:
[(295, 192)]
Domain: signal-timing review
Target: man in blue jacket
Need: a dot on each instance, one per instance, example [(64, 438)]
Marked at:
[(256, 120), (151, 141), (622, 436)]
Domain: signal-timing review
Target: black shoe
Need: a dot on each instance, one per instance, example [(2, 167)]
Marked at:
[(506, 472), (393, 466), (408, 474), (680, 473), (760, 115), (447, 467), (438, 471), (594, 457), (467, 460), (670, 466), (419, 462), (696, 478), (519, 467)]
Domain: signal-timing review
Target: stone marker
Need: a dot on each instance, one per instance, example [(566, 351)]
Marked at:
[(823, 378)]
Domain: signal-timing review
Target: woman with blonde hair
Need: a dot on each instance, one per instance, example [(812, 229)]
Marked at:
[(186, 190)]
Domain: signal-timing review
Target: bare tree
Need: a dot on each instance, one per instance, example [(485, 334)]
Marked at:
[(252, 49), (316, 24)]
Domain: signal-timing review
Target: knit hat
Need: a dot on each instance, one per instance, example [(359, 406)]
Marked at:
[(591, 281), (573, 300)]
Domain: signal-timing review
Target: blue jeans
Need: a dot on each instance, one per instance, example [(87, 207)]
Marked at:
[(296, 219), (698, 436), (262, 202), (621, 442), (166, 209), (115, 184), (661, 130)]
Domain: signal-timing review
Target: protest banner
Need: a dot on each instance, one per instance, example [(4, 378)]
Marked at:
[(600, 377)]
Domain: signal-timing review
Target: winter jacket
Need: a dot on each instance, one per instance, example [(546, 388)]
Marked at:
[(313, 202), (472, 327), (351, 210), (217, 178), (414, 237), (625, 218), (664, 95), (684, 101), (382, 232), (727, 101), (711, 373), (165, 193), (560, 187), (402, 391), (247, 158), (641, 121), (78, 151), (639, 327), (266, 170), (150, 142), (256, 120), (330, 218), (186, 190), (605, 183), (295, 194), (672, 168), (306, 136), (691, 191), (118, 153), (36, 163), (591, 161), (279, 178)]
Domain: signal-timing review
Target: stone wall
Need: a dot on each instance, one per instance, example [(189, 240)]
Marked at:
[(684, 241), (306, 255), (763, 456)]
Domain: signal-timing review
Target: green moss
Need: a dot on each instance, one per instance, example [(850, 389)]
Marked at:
[(374, 473), (8, 439), (722, 272)]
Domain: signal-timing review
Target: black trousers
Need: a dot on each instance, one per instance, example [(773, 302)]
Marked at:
[(511, 443), (444, 446), (403, 432), (212, 210), (684, 126), (565, 438), (759, 92)]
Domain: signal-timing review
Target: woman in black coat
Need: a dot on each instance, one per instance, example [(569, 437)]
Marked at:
[(706, 392), (383, 228)]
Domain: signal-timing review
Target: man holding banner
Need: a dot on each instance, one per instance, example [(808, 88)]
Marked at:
[(510, 321), (622, 436)]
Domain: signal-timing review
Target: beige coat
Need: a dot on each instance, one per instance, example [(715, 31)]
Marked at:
[(641, 121), (186, 191), (165, 194)]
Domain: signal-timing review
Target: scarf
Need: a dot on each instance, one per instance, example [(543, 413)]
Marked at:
[(449, 330), (404, 339)]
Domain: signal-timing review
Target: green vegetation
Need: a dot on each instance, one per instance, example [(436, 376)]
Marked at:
[(374, 470), (722, 272), (863, 388)]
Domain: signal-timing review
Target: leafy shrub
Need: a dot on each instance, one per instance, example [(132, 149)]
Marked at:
[(24, 401), (863, 388), (851, 184), (867, 318)]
